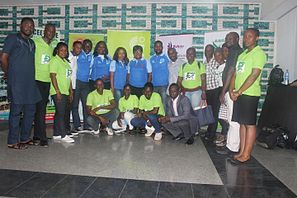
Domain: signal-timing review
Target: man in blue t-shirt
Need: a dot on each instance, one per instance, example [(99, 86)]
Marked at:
[(23, 94), (160, 73)]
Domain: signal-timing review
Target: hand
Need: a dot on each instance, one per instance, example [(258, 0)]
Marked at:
[(104, 121), (233, 96), (92, 113), (222, 98), (164, 119), (203, 95), (97, 109), (119, 122), (59, 96)]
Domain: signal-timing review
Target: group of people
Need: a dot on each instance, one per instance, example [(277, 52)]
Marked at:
[(119, 95)]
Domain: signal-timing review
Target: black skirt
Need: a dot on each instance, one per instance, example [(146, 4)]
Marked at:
[(245, 110)]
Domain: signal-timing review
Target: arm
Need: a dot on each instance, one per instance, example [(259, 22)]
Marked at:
[(5, 64), (227, 83), (55, 85), (109, 107), (232, 86), (179, 82), (249, 81), (112, 82), (187, 107), (149, 77)]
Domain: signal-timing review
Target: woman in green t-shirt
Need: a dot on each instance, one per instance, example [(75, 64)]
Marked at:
[(245, 92), (61, 90)]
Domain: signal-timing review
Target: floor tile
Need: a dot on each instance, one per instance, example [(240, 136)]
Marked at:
[(71, 186), (138, 188), (175, 190), (11, 178), (209, 191), (37, 185), (105, 188)]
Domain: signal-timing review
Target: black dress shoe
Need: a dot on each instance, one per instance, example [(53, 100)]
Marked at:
[(190, 141), (43, 143)]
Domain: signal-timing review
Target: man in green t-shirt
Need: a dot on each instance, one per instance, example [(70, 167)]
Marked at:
[(191, 78), (43, 55), (100, 108), (128, 106), (150, 110)]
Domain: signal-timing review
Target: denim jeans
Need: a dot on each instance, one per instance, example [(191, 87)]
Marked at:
[(141, 122), (24, 128), (162, 91), (94, 122), (80, 94), (195, 97), (117, 95), (39, 120), (61, 115)]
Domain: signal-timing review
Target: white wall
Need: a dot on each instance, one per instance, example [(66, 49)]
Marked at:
[(286, 50)]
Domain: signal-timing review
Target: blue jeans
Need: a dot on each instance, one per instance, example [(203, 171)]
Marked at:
[(117, 95), (141, 122), (195, 97), (162, 91), (94, 122), (24, 128), (80, 94)]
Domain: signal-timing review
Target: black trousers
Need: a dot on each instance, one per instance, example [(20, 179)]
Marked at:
[(62, 112), (137, 91), (39, 119), (213, 100)]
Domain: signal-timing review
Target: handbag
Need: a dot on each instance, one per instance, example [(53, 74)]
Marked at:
[(204, 114)]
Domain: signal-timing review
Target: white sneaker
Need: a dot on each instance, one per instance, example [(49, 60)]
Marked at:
[(74, 133), (118, 132), (57, 137), (149, 132), (67, 139), (95, 132), (109, 131), (158, 136)]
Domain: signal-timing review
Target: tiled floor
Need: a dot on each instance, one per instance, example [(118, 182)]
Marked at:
[(138, 167)]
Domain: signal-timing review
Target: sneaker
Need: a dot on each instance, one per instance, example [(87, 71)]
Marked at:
[(70, 135), (109, 131), (149, 133), (120, 131), (74, 133), (79, 129), (220, 139), (158, 136), (95, 132), (57, 137), (43, 143), (67, 139)]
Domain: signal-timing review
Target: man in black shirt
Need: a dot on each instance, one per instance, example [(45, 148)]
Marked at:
[(234, 50), (18, 66)]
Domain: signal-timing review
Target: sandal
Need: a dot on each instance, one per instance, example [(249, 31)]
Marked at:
[(29, 142), (18, 146)]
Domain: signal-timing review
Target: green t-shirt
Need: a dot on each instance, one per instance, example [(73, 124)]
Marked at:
[(191, 74), (154, 101), (128, 105), (245, 63), (62, 69), (94, 100), (43, 55)]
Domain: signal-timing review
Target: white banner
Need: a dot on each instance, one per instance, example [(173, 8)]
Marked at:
[(180, 42)]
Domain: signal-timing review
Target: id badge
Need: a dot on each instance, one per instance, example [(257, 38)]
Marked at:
[(190, 76), (45, 59)]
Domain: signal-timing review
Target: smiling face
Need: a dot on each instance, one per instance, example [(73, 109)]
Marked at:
[(148, 91), (27, 28), (191, 55), (158, 47), (99, 86), (87, 47), (62, 51), (231, 39), (219, 57), (209, 51), (172, 54), (137, 54), (121, 55), (173, 91), (101, 49), (49, 32), (127, 91), (77, 48)]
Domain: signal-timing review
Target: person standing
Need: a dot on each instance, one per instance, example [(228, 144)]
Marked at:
[(160, 73), (82, 88), (18, 65), (43, 55), (212, 90), (180, 119), (61, 91), (173, 65), (140, 71), (245, 91), (191, 78), (232, 42)]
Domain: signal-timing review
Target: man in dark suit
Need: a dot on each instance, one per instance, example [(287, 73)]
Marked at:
[(180, 119)]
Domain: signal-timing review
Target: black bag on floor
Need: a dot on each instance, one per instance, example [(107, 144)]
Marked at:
[(269, 138), (276, 76)]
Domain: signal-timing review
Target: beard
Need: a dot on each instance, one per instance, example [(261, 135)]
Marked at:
[(27, 33)]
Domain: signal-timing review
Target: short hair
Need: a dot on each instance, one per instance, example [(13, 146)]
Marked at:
[(174, 85), (25, 19), (224, 45), (76, 42), (256, 31), (171, 48), (191, 48), (136, 48), (148, 85), (49, 25), (158, 41), (218, 50), (234, 34), (209, 45), (99, 79), (127, 85), (87, 41)]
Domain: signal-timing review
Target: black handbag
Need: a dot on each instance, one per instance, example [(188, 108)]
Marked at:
[(204, 114)]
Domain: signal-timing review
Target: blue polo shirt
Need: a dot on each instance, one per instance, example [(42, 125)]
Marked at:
[(139, 70), (160, 73), (22, 88), (120, 73), (84, 66), (100, 67)]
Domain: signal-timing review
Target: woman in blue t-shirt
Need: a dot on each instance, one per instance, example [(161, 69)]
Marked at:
[(119, 72), (100, 65)]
